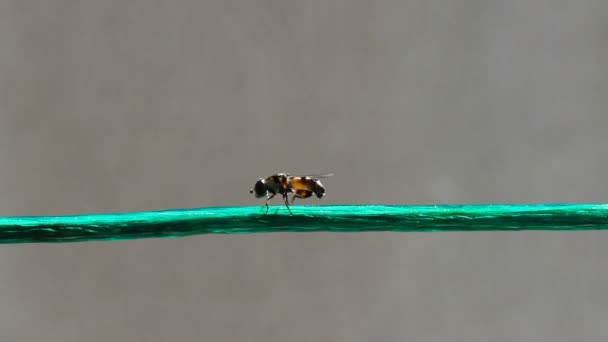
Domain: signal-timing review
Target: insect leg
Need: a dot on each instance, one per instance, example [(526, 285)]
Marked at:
[(268, 200), (286, 199), (301, 193)]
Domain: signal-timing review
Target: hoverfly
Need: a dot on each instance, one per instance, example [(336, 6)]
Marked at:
[(283, 184)]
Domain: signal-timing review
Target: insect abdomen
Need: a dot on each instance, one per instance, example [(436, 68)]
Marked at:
[(302, 183)]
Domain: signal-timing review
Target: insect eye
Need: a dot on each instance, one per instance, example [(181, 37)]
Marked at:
[(260, 189)]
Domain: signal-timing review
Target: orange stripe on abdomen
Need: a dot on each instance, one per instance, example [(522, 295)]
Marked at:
[(301, 183)]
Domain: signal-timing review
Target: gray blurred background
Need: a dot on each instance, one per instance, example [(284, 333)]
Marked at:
[(117, 105)]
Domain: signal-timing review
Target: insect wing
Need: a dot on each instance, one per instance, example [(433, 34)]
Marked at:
[(315, 176)]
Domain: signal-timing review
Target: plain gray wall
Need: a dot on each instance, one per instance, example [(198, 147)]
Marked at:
[(135, 105)]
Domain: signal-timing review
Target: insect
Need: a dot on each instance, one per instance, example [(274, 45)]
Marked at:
[(283, 184)]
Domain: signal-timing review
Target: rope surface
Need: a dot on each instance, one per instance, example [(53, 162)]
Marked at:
[(334, 218)]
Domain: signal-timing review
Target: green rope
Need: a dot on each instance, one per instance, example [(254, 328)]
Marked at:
[(335, 218)]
